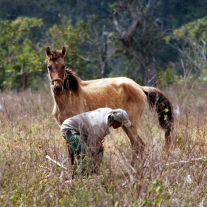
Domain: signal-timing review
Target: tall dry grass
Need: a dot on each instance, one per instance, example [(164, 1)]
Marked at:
[(27, 178)]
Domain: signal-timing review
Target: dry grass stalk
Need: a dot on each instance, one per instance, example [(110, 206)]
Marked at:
[(27, 129)]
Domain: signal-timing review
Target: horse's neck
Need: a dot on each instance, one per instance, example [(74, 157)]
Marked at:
[(67, 105)]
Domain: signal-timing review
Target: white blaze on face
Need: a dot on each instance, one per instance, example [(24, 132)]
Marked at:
[(56, 65)]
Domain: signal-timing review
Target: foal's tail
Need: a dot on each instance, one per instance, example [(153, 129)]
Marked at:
[(164, 110)]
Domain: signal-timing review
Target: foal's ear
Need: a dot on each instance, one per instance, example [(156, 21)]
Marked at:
[(63, 52), (48, 52)]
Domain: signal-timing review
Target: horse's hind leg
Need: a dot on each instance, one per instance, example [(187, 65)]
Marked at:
[(136, 143)]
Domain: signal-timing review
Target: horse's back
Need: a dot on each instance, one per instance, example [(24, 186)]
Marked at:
[(110, 84), (115, 93), (107, 81)]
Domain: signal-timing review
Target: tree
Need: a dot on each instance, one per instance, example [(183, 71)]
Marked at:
[(94, 46), (140, 37), (191, 43), (18, 54), (86, 47), (71, 37)]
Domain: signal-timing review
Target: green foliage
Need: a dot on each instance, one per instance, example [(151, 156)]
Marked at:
[(18, 52), (180, 12), (113, 6), (23, 37), (155, 192), (72, 38), (194, 31), (192, 39), (203, 76), (126, 67), (165, 78), (84, 45)]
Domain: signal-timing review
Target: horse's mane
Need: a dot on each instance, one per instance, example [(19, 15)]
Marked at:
[(74, 81)]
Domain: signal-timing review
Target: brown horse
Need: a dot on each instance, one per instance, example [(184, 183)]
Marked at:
[(73, 96)]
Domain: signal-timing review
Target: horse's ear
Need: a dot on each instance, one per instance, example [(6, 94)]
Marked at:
[(63, 51), (48, 52)]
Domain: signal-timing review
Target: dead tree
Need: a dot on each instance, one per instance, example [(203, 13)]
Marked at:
[(141, 37)]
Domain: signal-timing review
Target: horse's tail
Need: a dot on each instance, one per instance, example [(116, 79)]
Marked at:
[(164, 110)]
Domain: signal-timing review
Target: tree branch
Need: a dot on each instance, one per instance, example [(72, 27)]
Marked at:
[(188, 57), (57, 163), (114, 39), (116, 23), (132, 10), (137, 18), (138, 53), (187, 161), (155, 6)]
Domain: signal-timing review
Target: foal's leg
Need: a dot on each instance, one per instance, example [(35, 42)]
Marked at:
[(136, 143)]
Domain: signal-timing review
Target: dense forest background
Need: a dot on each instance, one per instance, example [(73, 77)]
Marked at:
[(104, 39)]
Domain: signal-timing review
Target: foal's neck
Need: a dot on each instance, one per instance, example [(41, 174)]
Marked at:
[(69, 104)]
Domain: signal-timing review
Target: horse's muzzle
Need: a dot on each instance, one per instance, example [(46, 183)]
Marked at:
[(58, 90)]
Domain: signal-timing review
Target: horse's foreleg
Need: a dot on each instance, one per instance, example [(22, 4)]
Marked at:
[(136, 143)]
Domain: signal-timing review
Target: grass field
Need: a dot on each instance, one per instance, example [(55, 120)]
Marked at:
[(27, 178)]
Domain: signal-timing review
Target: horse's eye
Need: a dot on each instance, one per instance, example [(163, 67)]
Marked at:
[(49, 67)]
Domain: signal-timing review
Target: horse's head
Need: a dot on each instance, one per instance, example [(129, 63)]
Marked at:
[(56, 69)]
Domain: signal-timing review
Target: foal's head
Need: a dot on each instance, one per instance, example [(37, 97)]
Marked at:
[(56, 69)]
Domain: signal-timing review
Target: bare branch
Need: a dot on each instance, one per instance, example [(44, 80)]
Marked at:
[(189, 58), (186, 55), (130, 1), (132, 29), (137, 18), (136, 47), (88, 59), (122, 8), (132, 10), (149, 4), (155, 6), (190, 160), (57, 163), (114, 39), (116, 23)]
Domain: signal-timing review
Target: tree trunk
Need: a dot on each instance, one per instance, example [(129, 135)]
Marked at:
[(148, 33), (103, 60), (148, 65), (24, 81)]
